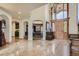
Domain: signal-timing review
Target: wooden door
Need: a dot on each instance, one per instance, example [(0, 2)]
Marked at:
[(59, 29)]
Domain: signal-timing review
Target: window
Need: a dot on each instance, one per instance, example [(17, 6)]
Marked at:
[(60, 15)]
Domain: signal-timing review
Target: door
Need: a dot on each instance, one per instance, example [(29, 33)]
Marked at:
[(59, 29)]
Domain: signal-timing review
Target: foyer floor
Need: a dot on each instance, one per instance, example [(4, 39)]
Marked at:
[(28, 48)]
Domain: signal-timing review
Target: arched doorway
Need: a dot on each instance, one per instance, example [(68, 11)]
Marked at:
[(37, 30), (8, 21), (5, 25), (5, 28)]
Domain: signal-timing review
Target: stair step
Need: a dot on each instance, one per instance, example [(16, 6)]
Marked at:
[(75, 48)]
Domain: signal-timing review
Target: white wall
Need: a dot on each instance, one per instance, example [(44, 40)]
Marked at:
[(73, 27), (39, 13)]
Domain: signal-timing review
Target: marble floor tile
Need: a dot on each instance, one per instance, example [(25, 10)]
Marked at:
[(29, 48)]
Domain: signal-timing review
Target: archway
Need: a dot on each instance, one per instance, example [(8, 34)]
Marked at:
[(37, 29), (4, 26), (7, 29)]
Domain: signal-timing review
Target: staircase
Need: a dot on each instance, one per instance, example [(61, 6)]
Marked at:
[(74, 44)]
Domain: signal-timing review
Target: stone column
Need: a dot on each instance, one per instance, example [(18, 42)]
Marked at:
[(13, 29), (21, 29), (44, 30), (30, 30), (44, 21), (9, 33), (30, 35)]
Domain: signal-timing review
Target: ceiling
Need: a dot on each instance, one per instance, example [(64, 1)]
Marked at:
[(20, 10)]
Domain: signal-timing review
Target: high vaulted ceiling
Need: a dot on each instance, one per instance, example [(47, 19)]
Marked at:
[(19, 10)]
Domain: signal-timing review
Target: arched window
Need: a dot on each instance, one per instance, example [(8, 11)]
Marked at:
[(61, 15)]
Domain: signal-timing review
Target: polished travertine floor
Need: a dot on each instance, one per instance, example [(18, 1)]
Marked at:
[(29, 48), (25, 47)]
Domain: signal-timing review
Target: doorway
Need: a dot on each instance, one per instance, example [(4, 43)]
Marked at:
[(37, 30)]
